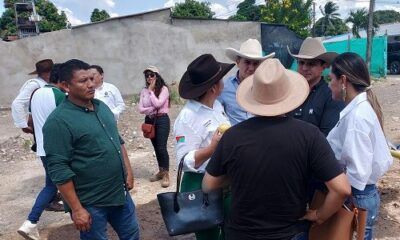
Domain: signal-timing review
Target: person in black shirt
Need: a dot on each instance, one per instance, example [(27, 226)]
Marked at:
[(269, 168), (319, 108)]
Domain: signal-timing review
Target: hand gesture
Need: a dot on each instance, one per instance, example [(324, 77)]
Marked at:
[(152, 85), (82, 219), (215, 139)]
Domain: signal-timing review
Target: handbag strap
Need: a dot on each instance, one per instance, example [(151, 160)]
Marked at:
[(178, 183), (179, 174)]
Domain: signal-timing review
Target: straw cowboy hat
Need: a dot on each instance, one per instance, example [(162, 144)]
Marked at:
[(272, 90), (250, 49), (201, 75), (312, 48), (43, 66), (152, 69)]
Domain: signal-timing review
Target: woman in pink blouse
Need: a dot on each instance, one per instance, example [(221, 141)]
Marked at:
[(154, 103)]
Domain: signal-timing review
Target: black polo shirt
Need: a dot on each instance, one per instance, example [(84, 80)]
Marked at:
[(269, 168), (319, 108)]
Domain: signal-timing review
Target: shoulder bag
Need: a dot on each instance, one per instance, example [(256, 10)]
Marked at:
[(149, 129), (188, 212), (341, 225)]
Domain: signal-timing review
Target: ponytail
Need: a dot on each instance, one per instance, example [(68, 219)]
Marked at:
[(373, 100)]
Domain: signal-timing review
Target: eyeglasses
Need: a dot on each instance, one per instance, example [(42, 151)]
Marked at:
[(149, 75), (309, 63)]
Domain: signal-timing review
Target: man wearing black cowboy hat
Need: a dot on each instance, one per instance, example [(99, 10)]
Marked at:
[(195, 128), (20, 105)]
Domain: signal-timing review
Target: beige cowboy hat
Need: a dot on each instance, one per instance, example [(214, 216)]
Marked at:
[(272, 90), (250, 49), (312, 48)]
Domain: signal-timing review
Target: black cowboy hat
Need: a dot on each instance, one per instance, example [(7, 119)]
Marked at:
[(201, 75)]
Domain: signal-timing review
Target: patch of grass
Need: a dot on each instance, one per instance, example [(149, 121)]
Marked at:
[(135, 98), (175, 98), (27, 144)]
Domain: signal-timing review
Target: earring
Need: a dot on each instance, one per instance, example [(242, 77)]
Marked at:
[(343, 92)]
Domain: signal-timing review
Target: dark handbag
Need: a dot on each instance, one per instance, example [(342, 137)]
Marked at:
[(188, 212), (341, 225)]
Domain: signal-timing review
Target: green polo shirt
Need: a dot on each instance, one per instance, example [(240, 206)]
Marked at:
[(85, 146)]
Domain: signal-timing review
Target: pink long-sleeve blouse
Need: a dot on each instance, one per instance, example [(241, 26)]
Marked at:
[(149, 103)]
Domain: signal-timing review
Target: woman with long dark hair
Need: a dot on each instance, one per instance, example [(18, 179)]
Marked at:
[(358, 139), (154, 103)]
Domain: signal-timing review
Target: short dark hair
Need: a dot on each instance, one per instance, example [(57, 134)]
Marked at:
[(68, 68), (98, 68), (54, 77)]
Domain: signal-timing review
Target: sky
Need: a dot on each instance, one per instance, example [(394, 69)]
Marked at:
[(78, 11)]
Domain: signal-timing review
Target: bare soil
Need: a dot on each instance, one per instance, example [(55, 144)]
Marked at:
[(22, 176)]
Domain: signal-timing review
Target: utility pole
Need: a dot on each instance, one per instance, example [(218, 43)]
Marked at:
[(369, 32), (313, 15)]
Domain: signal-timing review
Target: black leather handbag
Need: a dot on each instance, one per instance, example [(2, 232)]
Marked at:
[(188, 212)]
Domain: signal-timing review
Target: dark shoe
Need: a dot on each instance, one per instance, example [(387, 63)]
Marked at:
[(55, 207), (165, 180)]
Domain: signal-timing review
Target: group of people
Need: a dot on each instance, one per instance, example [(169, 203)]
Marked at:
[(291, 134)]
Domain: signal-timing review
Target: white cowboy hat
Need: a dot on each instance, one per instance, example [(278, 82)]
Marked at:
[(250, 49), (312, 48), (272, 90)]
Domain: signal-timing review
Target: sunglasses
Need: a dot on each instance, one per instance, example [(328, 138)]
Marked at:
[(149, 75)]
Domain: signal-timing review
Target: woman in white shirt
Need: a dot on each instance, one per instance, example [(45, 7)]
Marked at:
[(358, 139), (195, 128)]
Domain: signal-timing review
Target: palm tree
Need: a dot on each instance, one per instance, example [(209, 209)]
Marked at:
[(330, 14), (359, 19)]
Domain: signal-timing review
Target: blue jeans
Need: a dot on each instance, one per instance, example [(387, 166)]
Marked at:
[(301, 236), (44, 198), (121, 218), (368, 199)]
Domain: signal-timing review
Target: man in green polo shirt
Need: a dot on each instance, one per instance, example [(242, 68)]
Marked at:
[(87, 159)]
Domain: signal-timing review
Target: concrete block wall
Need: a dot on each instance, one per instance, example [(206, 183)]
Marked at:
[(124, 46)]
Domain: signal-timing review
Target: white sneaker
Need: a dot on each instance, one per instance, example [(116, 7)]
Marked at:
[(29, 231)]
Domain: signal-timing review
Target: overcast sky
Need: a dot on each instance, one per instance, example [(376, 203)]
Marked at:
[(78, 11)]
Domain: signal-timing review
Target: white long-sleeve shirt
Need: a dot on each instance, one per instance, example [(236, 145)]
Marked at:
[(194, 128), (20, 105), (111, 96), (359, 143)]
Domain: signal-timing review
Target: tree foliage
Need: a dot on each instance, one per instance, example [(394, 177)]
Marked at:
[(98, 15), (192, 8), (336, 27), (296, 14), (247, 11), (359, 19), (51, 20), (386, 16)]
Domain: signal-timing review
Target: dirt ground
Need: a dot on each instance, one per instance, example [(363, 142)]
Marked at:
[(22, 176)]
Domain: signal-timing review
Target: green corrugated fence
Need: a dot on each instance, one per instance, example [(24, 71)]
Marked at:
[(378, 66)]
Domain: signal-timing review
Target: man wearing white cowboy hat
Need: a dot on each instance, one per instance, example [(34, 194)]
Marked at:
[(319, 109), (268, 176), (247, 59)]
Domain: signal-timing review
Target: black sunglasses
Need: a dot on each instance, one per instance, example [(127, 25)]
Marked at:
[(149, 75)]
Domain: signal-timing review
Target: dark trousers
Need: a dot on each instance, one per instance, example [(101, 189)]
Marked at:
[(161, 139)]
